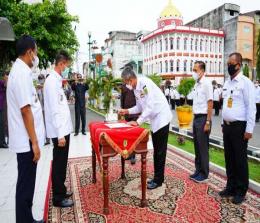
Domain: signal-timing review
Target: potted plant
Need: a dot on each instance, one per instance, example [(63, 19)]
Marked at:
[(95, 91), (184, 112)]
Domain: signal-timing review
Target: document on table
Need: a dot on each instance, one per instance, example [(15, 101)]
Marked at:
[(117, 125)]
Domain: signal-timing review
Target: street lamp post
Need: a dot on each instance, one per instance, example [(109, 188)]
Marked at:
[(90, 43)]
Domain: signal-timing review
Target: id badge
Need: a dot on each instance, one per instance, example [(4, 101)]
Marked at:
[(230, 103)]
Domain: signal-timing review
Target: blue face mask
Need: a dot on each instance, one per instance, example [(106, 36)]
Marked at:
[(65, 73)]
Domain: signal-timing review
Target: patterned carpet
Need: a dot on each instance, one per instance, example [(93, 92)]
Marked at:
[(178, 200)]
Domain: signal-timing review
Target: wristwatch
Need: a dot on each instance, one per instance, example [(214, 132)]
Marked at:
[(208, 122)]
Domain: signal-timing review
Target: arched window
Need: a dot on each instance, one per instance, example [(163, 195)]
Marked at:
[(185, 66), (207, 68), (171, 43), (185, 44), (166, 66), (191, 65), (201, 45), (166, 44), (191, 45), (211, 46), (206, 45), (161, 67), (216, 46), (160, 45), (211, 67), (178, 66), (178, 43), (220, 46), (215, 69), (220, 67), (171, 66), (196, 44)]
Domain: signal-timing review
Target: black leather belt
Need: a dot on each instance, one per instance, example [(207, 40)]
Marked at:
[(234, 122), (200, 115)]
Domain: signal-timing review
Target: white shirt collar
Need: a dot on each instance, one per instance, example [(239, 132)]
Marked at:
[(23, 64), (57, 75), (237, 78)]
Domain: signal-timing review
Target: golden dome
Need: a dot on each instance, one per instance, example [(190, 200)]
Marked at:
[(170, 11)]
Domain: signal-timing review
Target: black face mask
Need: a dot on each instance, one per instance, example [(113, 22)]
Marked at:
[(232, 69)]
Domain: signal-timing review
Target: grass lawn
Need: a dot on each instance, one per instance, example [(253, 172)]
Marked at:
[(216, 155)]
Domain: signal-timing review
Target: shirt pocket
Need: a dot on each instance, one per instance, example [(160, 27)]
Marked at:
[(61, 98)]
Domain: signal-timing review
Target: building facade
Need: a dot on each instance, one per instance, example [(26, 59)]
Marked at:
[(123, 48), (238, 28), (172, 49)]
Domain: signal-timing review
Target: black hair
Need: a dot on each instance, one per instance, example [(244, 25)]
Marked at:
[(62, 55), (128, 73), (238, 56), (201, 64), (24, 44)]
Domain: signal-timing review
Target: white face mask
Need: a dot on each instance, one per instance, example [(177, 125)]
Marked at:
[(195, 76), (35, 62), (129, 87)]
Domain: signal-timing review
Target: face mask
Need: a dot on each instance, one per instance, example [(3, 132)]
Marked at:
[(232, 69), (35, 62), (65, 73), (195, 76), (129, 87)]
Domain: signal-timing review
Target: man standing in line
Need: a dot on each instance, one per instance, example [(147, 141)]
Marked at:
[(59, 127), (238, 117), (26, 127), (3, 84), (257, 101), (80, 88), (216, 99), (202, 109), (153, 106)]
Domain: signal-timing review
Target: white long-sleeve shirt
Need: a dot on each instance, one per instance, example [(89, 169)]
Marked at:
[(151, 103), (257, 95), (242, 92), (57, 112)]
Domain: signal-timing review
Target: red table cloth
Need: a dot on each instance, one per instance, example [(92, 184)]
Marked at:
[(122, 140)]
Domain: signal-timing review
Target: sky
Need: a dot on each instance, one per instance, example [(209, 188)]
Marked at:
[(101, 16)]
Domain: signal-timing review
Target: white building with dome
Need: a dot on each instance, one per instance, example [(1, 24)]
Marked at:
[(172, 48)]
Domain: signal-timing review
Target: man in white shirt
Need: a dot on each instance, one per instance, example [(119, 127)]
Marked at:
[(216, 99), (26, 127), (238, 123), (202, 110), (257, 100), (167, 93), (153, 106), (59, 127)]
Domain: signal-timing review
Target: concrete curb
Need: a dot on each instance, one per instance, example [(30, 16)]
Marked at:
[(253, 185)]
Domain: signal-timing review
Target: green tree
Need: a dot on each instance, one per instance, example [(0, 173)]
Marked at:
[(185, 87), (258, 57), (48, 22), (246, 70)]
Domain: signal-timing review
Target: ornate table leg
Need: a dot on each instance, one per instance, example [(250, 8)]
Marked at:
[(105, 185), (123, 168), (143, 176), (94, 178)]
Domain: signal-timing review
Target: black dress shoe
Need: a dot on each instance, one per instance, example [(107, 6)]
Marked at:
[(76, 134), (84, 133), (4, 146), (226, 193), (194, 175), (238, 199), (68, 194), (40, 221), (153, 185), (133, 160), (65, 203), (149, 181)]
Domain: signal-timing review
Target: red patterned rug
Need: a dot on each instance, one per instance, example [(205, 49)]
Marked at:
[(178, 200)]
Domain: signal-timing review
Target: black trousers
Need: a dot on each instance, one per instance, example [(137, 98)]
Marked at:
[(235, 148), (201, 145), (80, 113), (173, 104), (168, 98), (25, 187), (59, 169), (160, 140), (190, 102), (257, 112), (2, 128), (216, 105), (177, 102)]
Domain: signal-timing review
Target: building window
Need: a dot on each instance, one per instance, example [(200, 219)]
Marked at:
[(196, 45), (171, 66), (178, 43), (185, 66), (216, 46), (166, 66), (201, 45), (191, 44), (215, 68), (232, 13), (185, 43), (206, 45), (191, 65), (211, 67), (211, 46), (178, 66), (161, 67), (166, 44), (160, 45), (220, 67), (220, 46), (171, 43)]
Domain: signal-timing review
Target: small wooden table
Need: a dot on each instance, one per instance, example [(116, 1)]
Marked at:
[(107, 151)]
